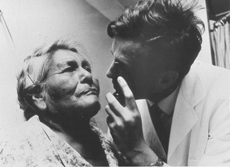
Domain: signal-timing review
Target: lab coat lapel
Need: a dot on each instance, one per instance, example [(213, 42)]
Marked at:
[(184, 117), (185, 112)]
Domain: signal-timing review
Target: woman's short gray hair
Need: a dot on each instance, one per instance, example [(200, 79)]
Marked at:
[(33, 75)]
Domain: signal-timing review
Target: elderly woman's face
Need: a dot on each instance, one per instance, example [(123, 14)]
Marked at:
[(71, 84)]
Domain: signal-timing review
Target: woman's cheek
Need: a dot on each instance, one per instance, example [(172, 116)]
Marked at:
[(63, 87)]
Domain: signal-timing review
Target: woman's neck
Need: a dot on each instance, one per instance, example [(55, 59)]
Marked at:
[(71, 129)]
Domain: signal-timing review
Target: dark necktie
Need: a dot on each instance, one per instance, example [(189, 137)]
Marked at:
[(162, 123)]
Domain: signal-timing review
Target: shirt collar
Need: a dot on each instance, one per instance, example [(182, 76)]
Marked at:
[(167, 104)]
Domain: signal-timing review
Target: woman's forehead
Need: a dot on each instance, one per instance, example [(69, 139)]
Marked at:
[(62, 56)]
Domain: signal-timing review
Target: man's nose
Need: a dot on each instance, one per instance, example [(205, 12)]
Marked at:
[(85, 76), (110, 72)]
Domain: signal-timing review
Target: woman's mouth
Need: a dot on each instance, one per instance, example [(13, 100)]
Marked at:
[(89, 91)]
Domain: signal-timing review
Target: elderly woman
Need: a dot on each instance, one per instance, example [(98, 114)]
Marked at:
[(59, 97)]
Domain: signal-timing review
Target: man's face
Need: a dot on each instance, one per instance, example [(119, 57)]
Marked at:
[(71, 84), (132, 61)]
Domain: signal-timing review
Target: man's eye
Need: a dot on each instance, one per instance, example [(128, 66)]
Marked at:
[(120, 68)]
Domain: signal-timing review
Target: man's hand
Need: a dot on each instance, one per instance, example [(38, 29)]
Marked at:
[(126, 126)]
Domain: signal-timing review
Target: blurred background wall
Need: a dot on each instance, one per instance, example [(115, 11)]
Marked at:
[(34, 22)]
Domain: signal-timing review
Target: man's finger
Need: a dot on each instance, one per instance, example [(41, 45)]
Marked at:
[(112, 119), (110, 113), (114, 105), (128, 95)]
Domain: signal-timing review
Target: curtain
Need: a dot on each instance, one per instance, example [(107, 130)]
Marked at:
[(220, 46)]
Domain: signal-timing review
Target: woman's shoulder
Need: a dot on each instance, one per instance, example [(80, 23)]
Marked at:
[(23, 130), (21, 144)]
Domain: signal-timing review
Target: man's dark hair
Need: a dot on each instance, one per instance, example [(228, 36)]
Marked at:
[(169, 27)]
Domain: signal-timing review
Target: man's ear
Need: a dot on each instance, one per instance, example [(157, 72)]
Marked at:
[(168, 78), (39, 101)]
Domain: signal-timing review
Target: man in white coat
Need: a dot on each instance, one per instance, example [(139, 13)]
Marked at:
[(186, 117)]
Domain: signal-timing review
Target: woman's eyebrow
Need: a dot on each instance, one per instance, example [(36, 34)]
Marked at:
[(86, 62), (63, 64)]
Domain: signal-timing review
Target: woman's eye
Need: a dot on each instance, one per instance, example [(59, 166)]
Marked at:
[(69, 69), (87, 68)]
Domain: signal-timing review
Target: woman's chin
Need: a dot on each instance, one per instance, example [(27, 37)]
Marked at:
[(90, 110)]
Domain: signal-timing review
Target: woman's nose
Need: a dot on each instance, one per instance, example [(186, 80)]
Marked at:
[(85, 76)]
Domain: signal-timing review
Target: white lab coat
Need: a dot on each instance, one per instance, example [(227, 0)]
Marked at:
[(200, 132)]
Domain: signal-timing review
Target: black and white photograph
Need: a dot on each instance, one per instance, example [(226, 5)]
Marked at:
[(114, 83)]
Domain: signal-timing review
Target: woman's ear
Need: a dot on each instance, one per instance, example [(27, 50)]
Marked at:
[(39, 101), (168, 78)]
